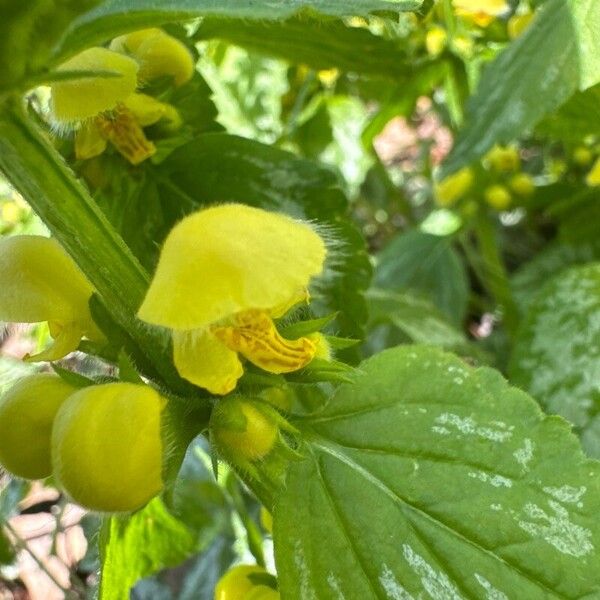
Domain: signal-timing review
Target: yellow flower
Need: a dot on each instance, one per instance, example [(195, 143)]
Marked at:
[(454, 187), (503, 159), (480, 12), (435, 40), (39, 282), (593, 177), (107, 109), (224, 273), (498, 197), (158, 54)]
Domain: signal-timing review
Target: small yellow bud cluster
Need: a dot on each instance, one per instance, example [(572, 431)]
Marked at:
[(585, 155), (101, 102), (248, 582), (495, 181), (102, 443)]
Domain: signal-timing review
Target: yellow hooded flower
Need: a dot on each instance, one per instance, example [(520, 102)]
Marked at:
[(224, 273), (107, 108), (237, 583), (480, 12), (39, 282)]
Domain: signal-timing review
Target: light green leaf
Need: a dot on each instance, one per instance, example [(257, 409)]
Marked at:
[(318, 44), (533, 76), (135, 546), (114, 17), (556, 357), (431, 479), (427, 264)]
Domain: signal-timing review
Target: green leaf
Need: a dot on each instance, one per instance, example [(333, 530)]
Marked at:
[(138, 545), (10, 496), (114, 17), (534, 75), (425, 263), (557, 257), (219, 168), (428, 478), (309, 41), (7, 552), (576, 119), (557, 352)]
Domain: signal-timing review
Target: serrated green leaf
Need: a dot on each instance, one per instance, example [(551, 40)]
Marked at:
[(426, 264), (557, 55), (114, 17), (556, 356), (309, 41), (135, 546), (428, 478)]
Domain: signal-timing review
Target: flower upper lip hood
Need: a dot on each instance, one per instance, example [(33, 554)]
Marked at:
[(227, 259)]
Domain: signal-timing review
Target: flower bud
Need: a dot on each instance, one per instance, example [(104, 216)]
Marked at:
[(498, 197), (503, 159), (107, 448), (582, 156), (436, 40), (243, 581), (78, 99), (27, 411), (159, 55), (241, 430), (454, 187), (522, 184), (593, 177)]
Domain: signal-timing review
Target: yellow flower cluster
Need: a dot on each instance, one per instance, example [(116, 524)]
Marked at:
[(102, 443), (104, 105)]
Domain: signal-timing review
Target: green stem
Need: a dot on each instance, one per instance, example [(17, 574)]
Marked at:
[(494, 272), (39, 173)]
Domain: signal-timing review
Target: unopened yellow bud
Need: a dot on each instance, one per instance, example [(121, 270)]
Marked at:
[(107, 449), (27, 412), (40, 282), (517, 24), (503, 159), (582, 156), (498, 197), (159, 55), (237, 584), (454, 187), (522, 184), (436, 40), (241, 430), (78, 99), (10, 213), (593, 177), (463, 45)]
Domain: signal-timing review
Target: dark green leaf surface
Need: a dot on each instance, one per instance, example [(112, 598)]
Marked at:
[(431, 479), (318, 44), (533, 76), (557, 353), (113, 17), (429, 265)]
